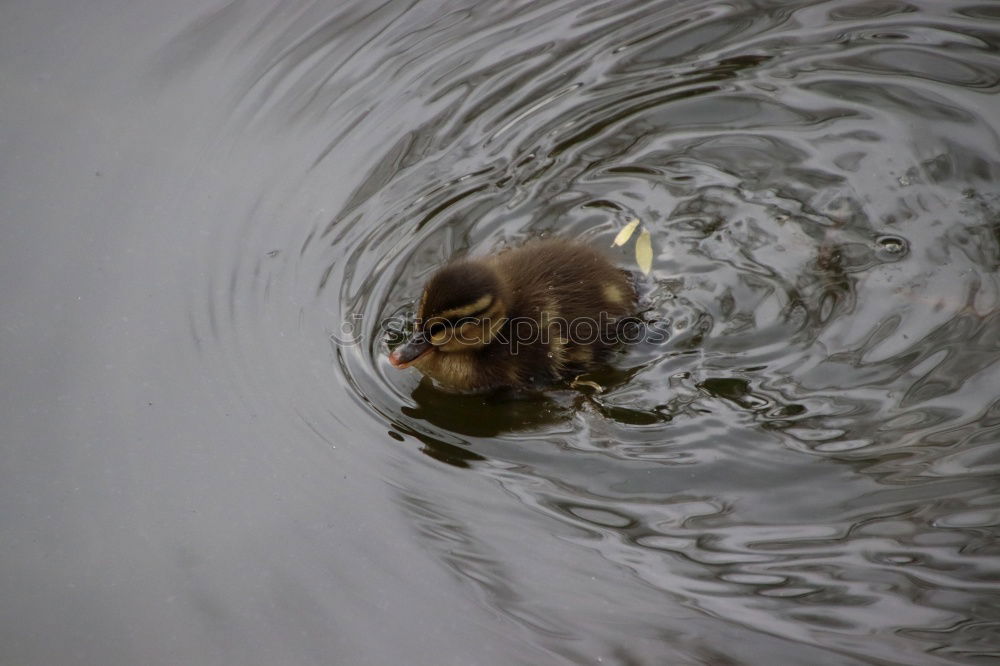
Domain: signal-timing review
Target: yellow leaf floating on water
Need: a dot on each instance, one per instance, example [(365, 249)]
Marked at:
[(644, 252), (627, 232)]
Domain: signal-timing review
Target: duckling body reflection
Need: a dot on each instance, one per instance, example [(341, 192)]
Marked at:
[(528, 316)]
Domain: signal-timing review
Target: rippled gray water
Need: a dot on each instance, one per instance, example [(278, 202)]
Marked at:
[(201, 202)]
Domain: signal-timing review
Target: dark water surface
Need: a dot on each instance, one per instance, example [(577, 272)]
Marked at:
[(200, 200)]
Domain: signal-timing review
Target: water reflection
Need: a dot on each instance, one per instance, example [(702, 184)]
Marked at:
[(485, 415), (810, 458), (799, 285)]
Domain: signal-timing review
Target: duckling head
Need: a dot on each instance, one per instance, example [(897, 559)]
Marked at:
[(462, 309)]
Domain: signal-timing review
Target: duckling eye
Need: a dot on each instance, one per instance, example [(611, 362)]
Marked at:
[(436, 329)]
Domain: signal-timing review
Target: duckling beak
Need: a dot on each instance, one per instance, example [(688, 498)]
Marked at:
[(405, 354)]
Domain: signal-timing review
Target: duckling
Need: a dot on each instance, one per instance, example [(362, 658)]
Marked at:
[(528, 316)]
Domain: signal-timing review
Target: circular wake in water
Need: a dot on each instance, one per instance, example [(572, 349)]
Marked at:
[(810, 453)]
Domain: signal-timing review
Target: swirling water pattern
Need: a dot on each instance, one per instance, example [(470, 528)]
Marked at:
[(804, 472)]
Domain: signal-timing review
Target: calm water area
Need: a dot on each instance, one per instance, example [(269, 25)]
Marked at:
[(210, 210)]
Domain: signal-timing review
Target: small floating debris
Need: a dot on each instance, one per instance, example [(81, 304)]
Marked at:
[(644, 252), (891, 248), (643, 246), (626, 232), (892, 244)]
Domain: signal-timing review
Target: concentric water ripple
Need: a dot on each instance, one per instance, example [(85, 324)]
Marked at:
[(811, 456)]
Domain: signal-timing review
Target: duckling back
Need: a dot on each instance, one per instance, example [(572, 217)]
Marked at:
[(567, 304)]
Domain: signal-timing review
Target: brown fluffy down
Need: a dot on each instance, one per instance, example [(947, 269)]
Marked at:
[(531, 315)]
